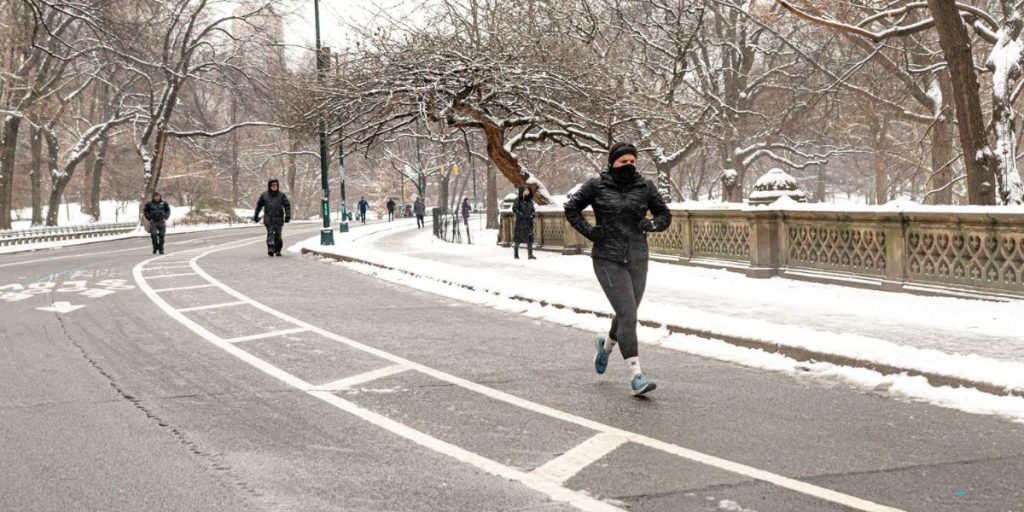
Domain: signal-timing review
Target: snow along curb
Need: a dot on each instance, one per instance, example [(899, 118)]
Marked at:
[(801, 354)]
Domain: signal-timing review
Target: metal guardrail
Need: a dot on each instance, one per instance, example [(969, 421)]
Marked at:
[(51, 234)]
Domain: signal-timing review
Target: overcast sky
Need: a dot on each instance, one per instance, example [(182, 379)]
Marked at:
[(334, 16)]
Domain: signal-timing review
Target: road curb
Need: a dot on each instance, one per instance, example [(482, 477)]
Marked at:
[(798, 353)]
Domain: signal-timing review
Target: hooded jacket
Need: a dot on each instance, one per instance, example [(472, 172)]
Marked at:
[(420, 207), (277, 209), (620, 205), (157, 211), (524, 211)]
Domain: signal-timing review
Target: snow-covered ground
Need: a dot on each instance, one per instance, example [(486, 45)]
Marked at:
[(972, 340)]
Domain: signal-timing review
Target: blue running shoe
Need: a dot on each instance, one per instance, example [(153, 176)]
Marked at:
[(601, 357), (641, 385)]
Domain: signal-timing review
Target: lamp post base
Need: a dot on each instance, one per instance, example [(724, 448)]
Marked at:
[(326, 236)]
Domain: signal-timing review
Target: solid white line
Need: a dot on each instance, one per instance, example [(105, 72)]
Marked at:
[(362, 378), (696, 456), (171, 275), (551, 489), (212, 306), (161, 290), (564, 467), (264, 335)]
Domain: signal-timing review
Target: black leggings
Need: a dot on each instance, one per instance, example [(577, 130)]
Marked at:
[(623, 284)]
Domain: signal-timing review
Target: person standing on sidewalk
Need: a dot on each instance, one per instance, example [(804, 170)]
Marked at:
[(524, 212), (363, 205), (420, 208), (466, 210), (278, 212), (621, 198), (391, 209), (157, 211)]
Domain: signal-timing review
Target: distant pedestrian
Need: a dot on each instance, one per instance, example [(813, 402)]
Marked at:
[(420, 208), (466, 210), (524, 212), (277, 213), (391, 209), (363, 205), (621, 198), (157, 211)]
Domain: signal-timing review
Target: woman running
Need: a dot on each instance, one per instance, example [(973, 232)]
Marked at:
[(621, 198)]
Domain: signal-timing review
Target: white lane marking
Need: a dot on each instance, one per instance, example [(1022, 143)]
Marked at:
[(61, 307), (168, 267), (686, 453), (264, 335), (212, 306), (565, 466), (161, 290), (547, 487), (172, 275), (362, 378)]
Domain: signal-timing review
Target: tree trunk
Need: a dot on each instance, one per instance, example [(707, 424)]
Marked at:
[(1006, 62), (234, 154), (509, 165), (879, 135), (821, 189), (8, 149), (492, 197), (97, 178), (956, 47), (58, 180), (942, 150), (665, 181), (36, 171)]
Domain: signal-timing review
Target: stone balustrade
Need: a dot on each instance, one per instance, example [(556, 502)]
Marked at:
[(925, 250)]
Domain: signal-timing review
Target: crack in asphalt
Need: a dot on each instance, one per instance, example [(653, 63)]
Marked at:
[(212, 459)]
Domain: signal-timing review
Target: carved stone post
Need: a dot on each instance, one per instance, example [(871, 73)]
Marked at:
[(895, 252), (764, 244)]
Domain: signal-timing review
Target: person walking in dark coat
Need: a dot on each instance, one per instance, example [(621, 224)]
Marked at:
[(157, 211), (420, 208), (391, 209), (277, 213), (524, 212), (466, 210), (621, 198), (363, 205)]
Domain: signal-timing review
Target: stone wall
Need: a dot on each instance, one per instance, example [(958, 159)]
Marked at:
[(927, 251)]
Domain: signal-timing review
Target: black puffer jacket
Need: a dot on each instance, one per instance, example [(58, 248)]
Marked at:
[(524, 210), (277, 208), (619, 207), (157, 211)]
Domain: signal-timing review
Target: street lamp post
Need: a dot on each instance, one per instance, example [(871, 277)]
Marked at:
[(343, 211), (326, 234)]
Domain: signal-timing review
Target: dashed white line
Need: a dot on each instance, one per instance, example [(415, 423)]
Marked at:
[(212, 306), (536, 482), (362, 378), (172, 275), (264, 335), (564, 467), (179, 288)]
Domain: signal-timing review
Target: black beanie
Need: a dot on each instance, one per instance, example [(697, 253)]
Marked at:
[(620, 149)]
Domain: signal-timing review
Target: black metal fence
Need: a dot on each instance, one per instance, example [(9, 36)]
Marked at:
[(451, 227)]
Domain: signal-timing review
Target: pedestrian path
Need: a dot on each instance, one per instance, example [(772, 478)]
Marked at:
[(970, 340)]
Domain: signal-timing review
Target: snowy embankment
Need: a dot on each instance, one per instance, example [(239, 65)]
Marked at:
[(114, 212), (947, 341)]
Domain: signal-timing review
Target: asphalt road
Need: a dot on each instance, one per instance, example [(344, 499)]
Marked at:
[(216, 378)]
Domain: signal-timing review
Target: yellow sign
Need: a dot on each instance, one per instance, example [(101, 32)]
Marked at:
[(455, 168)]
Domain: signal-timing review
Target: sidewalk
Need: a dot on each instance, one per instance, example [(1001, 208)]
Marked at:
[(972, 342)]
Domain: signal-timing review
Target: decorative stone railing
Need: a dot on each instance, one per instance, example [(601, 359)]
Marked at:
[(919, 249)]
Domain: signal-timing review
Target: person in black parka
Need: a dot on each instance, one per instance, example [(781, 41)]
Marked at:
[(157, 211), (277, 213), (391, 209), (621, 198), (524, 211)]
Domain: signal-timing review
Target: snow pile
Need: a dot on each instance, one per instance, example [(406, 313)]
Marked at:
[(930, 334), (774, 184)]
